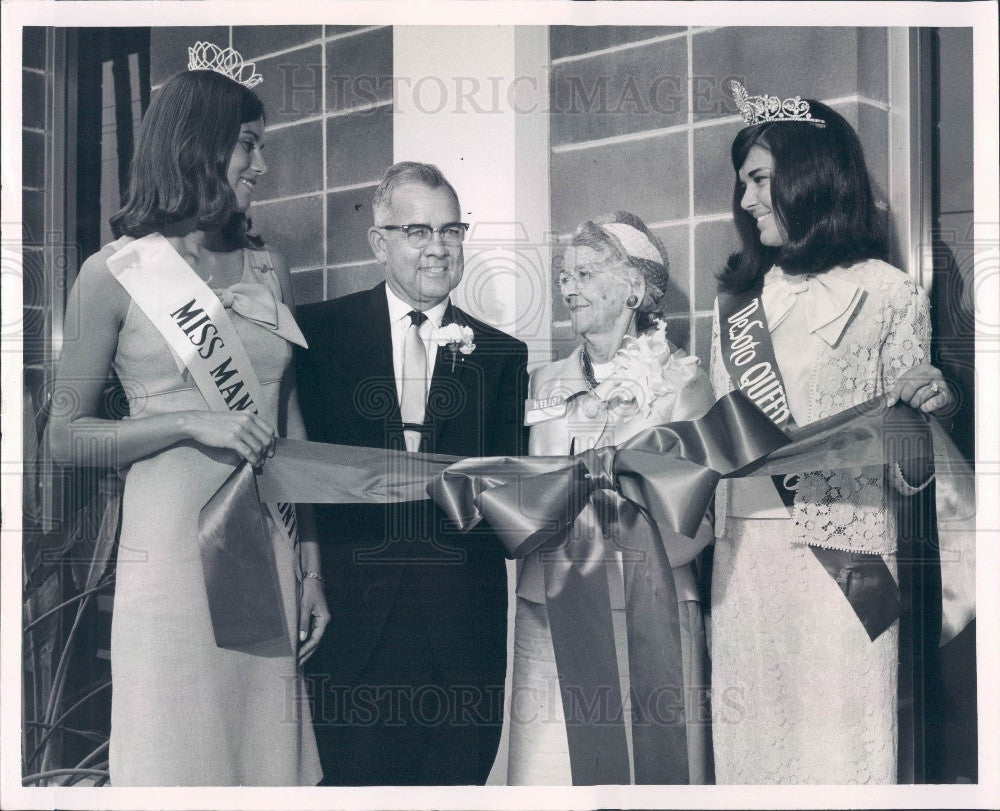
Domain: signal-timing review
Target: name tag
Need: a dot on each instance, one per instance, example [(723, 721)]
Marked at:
[(550, 408)]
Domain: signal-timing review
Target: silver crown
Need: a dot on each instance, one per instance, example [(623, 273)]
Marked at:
[(765, 109), (207, 56)]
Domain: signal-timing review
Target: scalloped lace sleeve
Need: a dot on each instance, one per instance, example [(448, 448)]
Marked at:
[(909, 338)]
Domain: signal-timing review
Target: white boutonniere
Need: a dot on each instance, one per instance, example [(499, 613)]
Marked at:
[(457, 338)]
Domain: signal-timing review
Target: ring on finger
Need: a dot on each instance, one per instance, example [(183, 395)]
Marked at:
[(935, 387)]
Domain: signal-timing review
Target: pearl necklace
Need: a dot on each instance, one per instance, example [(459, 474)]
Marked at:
[(588, 369)]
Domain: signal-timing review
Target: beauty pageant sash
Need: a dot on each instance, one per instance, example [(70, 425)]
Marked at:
[(660, 483), (748, 355), (241, 579)]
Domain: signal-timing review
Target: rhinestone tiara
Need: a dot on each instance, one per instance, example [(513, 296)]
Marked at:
[(208, 56), (765, 109)]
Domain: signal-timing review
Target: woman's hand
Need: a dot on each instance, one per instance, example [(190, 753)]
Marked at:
[(250, 435), (313, 617), (923, 387)]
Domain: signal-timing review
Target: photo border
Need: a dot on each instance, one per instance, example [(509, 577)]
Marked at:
[(979, 14)]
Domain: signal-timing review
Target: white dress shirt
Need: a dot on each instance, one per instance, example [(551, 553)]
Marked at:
[(399, 323)]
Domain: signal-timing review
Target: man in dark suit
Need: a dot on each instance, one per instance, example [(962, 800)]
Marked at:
[(407, 682)]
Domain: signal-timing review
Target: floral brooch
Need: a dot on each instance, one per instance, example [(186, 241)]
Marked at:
[(457, 338)]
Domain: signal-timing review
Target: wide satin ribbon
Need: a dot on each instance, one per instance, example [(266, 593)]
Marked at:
[(670, 471), (645, 499)]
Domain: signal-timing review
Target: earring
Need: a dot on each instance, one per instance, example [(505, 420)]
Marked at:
[(632, 301)]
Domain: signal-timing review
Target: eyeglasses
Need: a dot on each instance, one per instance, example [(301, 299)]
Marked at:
[(582, 276), (419, 235)]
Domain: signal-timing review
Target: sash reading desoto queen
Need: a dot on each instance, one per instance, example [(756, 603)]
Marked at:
[(749, 358), (195, 325), (748, 355)]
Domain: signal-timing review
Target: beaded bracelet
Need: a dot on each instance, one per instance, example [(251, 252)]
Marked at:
[(903, 486)]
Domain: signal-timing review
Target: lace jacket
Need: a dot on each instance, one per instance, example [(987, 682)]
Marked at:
[(886, 332)]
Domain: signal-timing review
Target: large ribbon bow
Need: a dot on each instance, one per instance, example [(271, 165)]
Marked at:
[(644, 499), (669, 471)]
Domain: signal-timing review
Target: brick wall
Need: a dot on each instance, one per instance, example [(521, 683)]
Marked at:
[(642, 121), (35, 86), (327, 92)]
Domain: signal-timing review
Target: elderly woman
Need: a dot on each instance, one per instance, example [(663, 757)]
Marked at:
[(613, 280)]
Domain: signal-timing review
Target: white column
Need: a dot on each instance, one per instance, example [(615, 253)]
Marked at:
[(909, 171), (473, 101)]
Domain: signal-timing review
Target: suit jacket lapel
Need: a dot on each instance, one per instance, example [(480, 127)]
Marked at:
[(375, 331)]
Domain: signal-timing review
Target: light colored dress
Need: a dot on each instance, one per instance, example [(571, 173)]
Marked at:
[(185, 712), (800, 692), (539, 750)]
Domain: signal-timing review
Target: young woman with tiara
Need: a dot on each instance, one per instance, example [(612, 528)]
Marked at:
[(803, 691), (192, 313)]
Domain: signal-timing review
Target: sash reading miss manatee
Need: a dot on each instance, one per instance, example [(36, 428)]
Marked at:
[(204, 336)]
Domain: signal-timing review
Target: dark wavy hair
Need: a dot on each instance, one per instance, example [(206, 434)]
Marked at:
[(821, 194), (181, 157), (656, 274)]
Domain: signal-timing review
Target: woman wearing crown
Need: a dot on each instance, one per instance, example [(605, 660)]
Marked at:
[(810, 320), (192, 313)]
